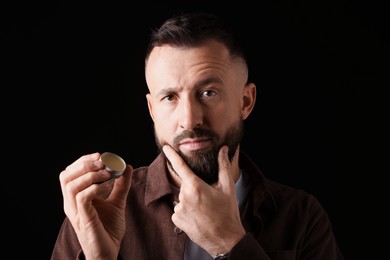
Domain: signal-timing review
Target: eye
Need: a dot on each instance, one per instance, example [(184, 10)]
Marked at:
[(208, 93), (168, 98)]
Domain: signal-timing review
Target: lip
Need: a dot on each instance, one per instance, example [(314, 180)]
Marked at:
[(195, 144)]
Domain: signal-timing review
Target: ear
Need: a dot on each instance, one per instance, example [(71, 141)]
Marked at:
[(248, 100), (150, 105)]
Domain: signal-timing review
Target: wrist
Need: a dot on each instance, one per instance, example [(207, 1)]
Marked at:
[(221, 256)]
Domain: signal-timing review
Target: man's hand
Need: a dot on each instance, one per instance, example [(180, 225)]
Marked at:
[(209, 215), (95, 205)]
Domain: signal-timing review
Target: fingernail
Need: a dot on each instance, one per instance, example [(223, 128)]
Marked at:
[(225, 150), (97, 163), (164, 148), (104, 173)]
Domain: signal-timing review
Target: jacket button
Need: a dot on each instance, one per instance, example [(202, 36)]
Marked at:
[(177, 230)]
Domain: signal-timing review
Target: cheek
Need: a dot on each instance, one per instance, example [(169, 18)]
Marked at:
[(164, 128), (222, 117), (223, 121), (217, 124)]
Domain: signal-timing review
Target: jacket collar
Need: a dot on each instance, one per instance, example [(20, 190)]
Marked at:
[(158, 184)]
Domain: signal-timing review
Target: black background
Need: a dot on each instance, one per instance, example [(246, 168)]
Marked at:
[(72, 83)]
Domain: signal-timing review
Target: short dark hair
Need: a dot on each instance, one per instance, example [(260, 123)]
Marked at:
[(193, 29)]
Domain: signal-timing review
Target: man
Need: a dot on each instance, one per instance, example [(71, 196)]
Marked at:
[(201, 198)]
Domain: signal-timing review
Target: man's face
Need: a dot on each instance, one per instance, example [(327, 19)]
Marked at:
[(197, 102)]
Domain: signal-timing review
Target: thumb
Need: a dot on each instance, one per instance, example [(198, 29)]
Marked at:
[(122, 186), (225, 174)]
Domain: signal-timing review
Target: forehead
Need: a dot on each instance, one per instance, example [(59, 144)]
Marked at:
[(177, 63)]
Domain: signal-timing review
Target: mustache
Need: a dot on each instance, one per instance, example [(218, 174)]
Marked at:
[(195, 133)]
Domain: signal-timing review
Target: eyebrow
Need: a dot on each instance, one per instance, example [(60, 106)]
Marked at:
[(202, 82)]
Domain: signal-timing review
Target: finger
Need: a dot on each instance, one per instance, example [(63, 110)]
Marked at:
[(86, 163), (176, 219), (117, 197), (78, 170), (82, 166), (84, 199), (91, 185), (225, 176), (175, 206), (179, 166), (105, 189), (88, 157), (122, 187)]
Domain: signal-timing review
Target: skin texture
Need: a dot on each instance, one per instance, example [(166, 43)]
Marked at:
[(189, 88), (197, 87)]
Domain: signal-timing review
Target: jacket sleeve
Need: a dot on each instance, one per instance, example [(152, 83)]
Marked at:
[(248, 248), (314, 240), (67, 246)]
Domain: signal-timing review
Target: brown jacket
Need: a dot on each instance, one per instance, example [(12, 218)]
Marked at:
[(281, 222)]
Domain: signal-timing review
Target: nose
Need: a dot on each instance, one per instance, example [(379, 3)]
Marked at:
[(190, 114)]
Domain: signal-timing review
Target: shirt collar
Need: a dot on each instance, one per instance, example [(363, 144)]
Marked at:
[(157, 182)]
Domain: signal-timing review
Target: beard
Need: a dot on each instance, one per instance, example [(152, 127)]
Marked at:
[(204, 162)]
